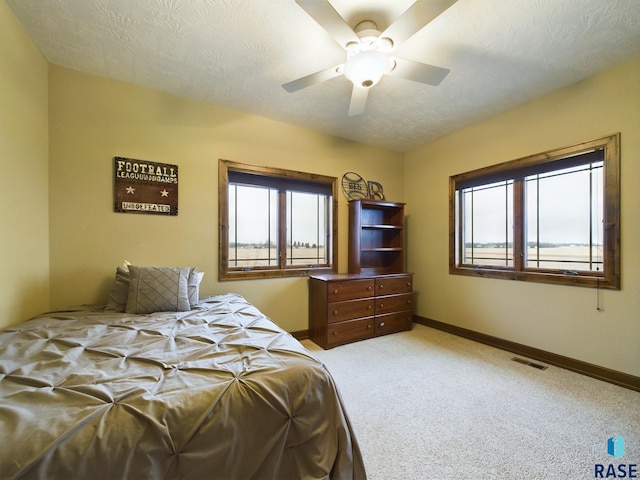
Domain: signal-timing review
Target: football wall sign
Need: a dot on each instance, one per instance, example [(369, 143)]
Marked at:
[(145, 187)]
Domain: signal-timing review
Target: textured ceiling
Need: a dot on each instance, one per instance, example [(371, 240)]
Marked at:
[(238, 53)]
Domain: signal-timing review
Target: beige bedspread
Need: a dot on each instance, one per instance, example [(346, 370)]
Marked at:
[(218, 392)]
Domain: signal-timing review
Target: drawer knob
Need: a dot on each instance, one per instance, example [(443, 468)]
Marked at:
[(382, 324), (369, 287), (408, 284), (369, 307), (409, 301), (335, 312), (369, 326), (381, 286), (335, 292), (382, 305)]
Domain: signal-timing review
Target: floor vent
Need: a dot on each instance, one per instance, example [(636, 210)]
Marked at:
[(529, 363)]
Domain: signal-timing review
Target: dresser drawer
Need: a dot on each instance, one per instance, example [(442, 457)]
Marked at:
[(349, 331), (339, 311), (350, 289), (394, 284), (394, 322), (394, 303)]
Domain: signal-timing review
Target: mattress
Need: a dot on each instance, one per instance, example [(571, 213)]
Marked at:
[(219, 391)]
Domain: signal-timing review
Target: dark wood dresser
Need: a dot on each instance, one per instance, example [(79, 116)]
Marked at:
[(345, 308)]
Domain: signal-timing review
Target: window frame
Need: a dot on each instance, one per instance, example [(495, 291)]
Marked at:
[(609, 278), (225, 272)]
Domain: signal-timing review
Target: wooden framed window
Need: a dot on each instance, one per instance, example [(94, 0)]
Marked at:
[(275, 222), (552, 217)]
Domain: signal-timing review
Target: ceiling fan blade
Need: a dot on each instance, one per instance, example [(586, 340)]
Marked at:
[(419, 72), (358, 101), (329, 19), (415, 18), (312, 79)]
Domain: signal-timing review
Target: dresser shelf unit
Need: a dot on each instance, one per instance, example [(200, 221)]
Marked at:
[(376, 237)]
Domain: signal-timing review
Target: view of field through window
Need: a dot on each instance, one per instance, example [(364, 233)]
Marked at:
[(253, 227), (564, 221)]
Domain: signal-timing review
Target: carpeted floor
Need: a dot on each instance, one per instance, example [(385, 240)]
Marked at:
[(425, 404)]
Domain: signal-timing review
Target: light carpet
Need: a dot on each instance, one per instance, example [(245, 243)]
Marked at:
[(426, 404)]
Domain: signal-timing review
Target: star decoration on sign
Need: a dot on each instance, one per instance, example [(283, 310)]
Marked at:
[(130, 190), (164, 193)]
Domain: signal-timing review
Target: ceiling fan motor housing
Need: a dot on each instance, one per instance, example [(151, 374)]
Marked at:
[(368, 60)]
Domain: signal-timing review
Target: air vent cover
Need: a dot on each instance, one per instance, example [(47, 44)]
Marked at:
[(529, 363)]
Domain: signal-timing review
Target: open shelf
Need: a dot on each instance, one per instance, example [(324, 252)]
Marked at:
[(376, 237)]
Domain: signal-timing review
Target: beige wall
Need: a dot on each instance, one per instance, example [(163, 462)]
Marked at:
[(24, 242), (559, 319), (93, 119)]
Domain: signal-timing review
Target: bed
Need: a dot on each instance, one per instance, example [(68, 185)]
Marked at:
[(214, 391)]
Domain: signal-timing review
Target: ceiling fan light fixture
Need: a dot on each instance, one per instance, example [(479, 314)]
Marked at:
[(366, 68)]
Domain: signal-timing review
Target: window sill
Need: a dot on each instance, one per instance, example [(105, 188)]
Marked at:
[(260, 273), (557, 278)]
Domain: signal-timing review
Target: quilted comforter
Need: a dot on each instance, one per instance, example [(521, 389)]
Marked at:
[(217, 392)]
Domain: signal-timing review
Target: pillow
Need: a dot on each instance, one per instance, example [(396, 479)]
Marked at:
[(158, 289), (119, 291), (195, 277)]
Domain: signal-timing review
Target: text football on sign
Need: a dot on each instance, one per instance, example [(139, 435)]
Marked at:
[(141, 186)]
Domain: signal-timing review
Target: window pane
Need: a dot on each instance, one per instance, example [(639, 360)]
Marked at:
[(564, 218), (597, 218), (487, 223), (307, 229), (252, 226)]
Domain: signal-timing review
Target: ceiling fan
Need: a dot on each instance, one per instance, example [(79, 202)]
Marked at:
[(369, 52)]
